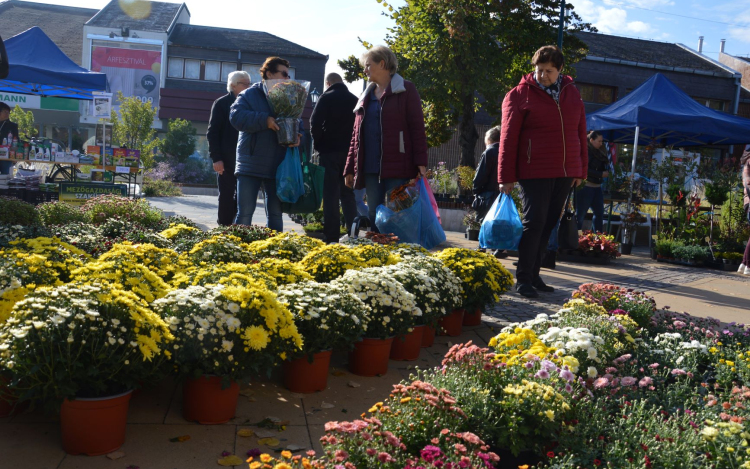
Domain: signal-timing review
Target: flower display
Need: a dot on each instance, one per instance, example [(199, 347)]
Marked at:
[(639, 306), (247, 234), (425, 291), (409, 249), (393, 308), (183, 237), (327, 316), (79, 340), (282, 271), (59, 255), (219, 248), (376, 255), (163, 262), (125, 274), (231, 273), (289, 246), (483, 277), (599, 243), (447, 286), (331, 261)]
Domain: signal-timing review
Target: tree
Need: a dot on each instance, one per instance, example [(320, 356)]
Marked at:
[(25, 121), (179, 143), (466, 54), (132, 127)]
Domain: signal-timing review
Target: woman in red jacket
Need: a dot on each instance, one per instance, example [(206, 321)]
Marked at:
[(543, 149), (389, 144)]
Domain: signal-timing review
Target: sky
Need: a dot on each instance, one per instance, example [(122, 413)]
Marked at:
[(332, 27)]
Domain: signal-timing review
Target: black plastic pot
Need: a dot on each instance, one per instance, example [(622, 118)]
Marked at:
[(472, 235), (626, 249)]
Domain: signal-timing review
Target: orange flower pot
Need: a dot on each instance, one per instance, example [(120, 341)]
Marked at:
[(451, 325), (304, 377), (204, 401), (474, 318), (370, 357), (407, 347), (428, 336), (94, 426)]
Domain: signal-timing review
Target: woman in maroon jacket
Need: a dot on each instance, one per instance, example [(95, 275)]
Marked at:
[(543, 148), (389, 145)]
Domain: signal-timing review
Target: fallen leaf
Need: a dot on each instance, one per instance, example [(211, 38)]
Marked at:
[(338, 373), (264, 434), (352, 384), (231, 461), (325, 405), (180, 439), (245, 432), (116, 455), (269, 442)]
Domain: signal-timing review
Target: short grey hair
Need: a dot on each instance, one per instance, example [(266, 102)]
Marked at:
[(378, 54), (492, 135), (333, 78), (234, 77)]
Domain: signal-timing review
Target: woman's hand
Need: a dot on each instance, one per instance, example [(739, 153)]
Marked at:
[(577, 182), (422, 170), (271, 123), (505, 188), (349, 181)]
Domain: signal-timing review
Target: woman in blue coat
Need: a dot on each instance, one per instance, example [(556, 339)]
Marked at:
[(258, 151)]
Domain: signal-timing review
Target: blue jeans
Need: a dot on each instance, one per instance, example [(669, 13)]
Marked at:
[(247, 197), (590, 198), (376, 190), (553, 242), (359, 199)]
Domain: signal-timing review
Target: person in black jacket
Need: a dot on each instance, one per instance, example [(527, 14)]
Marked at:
[(331, 125), (590, 196), (485, 179), (222, 146), (6, 127)]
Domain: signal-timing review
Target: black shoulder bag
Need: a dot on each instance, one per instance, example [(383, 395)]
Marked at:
[(567, 235)]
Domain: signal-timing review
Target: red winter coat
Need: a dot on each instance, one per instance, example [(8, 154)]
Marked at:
[(402, 128), (539, 137)]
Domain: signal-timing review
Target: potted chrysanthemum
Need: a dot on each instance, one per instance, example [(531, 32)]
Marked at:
[(328, 317), (393, 309), (483, 279), (331, 261), (223, 334), (83, 349)]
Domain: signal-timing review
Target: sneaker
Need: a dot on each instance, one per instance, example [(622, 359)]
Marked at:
[(500, 253), (742, 268), (747, 271), (525, 289), (541, 286)]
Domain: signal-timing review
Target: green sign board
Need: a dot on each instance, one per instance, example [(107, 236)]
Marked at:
[(77, 193)]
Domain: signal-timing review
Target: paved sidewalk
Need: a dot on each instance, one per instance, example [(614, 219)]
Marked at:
[(32, 440)]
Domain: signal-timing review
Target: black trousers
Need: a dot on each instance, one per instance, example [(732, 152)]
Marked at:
[(227, 183), (543, 201), (334, 190)]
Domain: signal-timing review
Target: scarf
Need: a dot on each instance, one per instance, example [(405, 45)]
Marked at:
[(553, 89)]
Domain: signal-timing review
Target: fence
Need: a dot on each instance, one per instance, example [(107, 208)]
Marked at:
[(450, 152)]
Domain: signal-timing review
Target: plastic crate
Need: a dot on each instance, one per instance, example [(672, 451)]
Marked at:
[(33, 197)]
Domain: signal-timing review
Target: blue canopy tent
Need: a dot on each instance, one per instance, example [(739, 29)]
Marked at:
[(665, 115), (39, 67)]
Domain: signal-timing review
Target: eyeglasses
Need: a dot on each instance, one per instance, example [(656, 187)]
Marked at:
[(283, 73), (246, 83)]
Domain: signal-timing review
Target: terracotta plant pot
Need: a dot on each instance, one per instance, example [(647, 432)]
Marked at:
[(474, 318), (370, 357), (94, 426), (451, 325), (304, 377), (428, 336), (407, 347), (204, 401)]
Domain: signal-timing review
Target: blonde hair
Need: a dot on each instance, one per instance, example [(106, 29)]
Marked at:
[(381, 53)]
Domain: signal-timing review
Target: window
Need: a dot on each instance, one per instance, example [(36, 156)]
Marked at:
[(212, 71), (596, 94), (193, 69), (715, 104), (175, 67), (226, 69), (254, 71)]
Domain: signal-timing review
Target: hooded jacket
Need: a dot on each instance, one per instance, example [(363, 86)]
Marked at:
[(540, 138), (258, 151), (404, 142)]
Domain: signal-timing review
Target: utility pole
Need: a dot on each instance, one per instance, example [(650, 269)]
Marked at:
[(562, 25)]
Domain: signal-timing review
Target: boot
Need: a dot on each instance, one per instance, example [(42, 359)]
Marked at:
[(548, 261)]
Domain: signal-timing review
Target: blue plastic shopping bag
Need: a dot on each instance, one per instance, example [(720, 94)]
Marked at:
[(416, 224), (501, 228), (289, 183)]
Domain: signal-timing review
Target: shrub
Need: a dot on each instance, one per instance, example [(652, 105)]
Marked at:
[(18, 212), (104, 207), (160, 188), (60, 213), (248, 234)]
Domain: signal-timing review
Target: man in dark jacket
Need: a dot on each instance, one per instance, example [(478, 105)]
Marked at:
[(222, 146), (331, 125), (8, 127)]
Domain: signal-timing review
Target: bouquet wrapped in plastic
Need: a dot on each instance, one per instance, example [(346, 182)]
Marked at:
[(287, 98), (402, 197)]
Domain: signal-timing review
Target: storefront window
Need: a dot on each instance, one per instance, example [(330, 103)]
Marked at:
[(62, 134), (254, 71)]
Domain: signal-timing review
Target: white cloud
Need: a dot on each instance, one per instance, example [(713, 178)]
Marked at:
[(612, 20), (739, 34), (639, 3)]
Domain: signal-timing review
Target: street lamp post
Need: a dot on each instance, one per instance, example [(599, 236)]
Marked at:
[(314, 95), (562, 24)]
